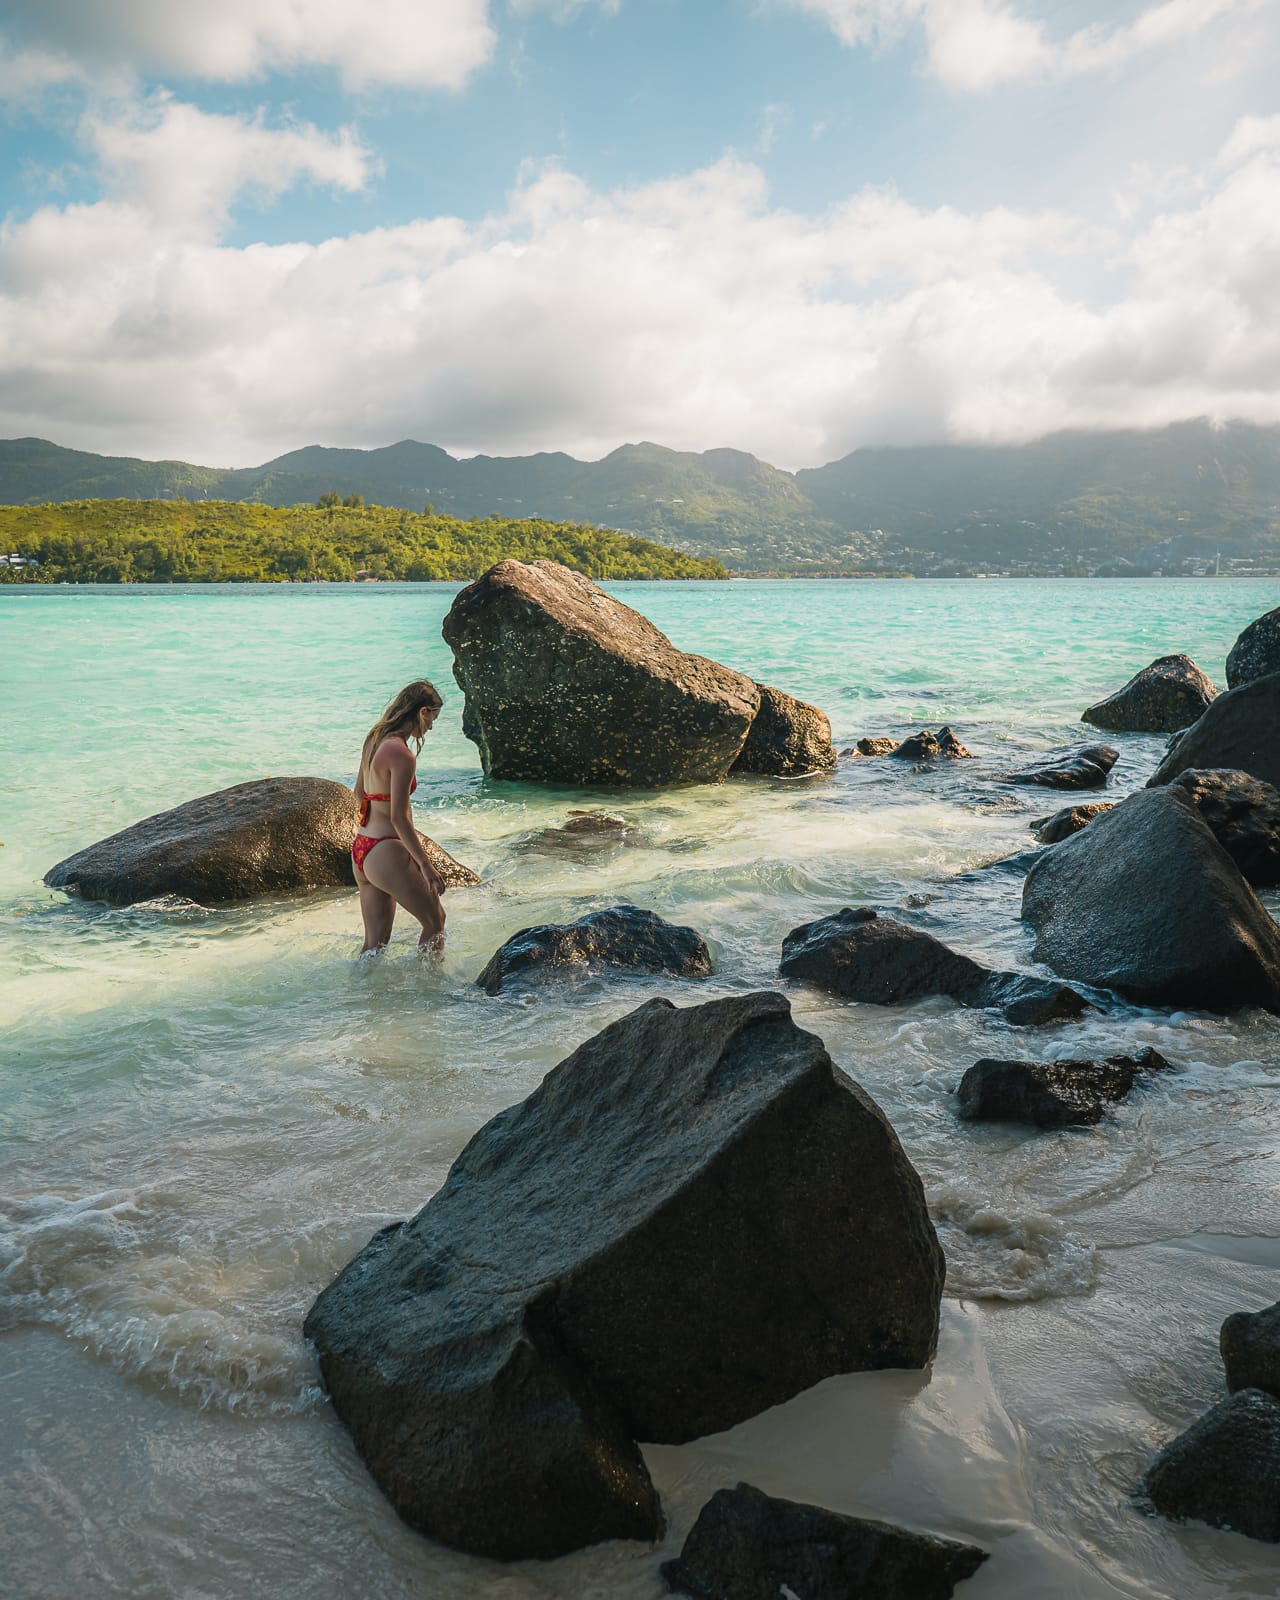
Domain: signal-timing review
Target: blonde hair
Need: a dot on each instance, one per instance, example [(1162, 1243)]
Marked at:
[(414, 697)]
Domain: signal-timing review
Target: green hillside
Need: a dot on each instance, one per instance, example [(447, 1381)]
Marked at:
[(1182, 498), (179, 541)]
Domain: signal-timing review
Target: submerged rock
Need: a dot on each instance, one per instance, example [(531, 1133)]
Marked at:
[(1250, 1345), (695, 1216), (1062, 824), (1051, 1094), (746, 1545), (620, 937), (566, 685), (1225, 1469), (584, 833), (787, 739), (1238, 731), (1169, 694), (1085, 767), (1147, 902), (1243, 814), (271, 836), (1256, 653), (860, 955)]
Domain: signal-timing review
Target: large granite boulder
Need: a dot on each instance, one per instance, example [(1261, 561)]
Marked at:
[(1225, 1469), (787, 739), (270, 836), (1237, 731), (1087, 766), (1062, 824), (623, 937), (1147, 902), (1250, 1345), (1256, 653), (1051, 1094), (1243, 814), (861, 955), (1169, 694), (695, 1216), (566, 685), (746, 1545)]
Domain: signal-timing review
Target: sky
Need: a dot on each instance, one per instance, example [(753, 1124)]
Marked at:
[(794, 227)]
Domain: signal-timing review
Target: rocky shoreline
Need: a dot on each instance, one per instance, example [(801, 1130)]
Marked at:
[(1150, 902)]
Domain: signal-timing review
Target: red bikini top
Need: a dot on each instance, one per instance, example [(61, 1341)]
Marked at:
[(364, 804)]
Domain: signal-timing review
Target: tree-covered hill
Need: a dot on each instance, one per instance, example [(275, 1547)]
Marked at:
[(1176, 498), (180, 541)]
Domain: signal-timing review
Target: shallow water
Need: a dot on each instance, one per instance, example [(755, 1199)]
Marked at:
[(207, 1112)]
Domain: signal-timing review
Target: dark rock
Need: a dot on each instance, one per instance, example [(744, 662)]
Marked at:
[(872, 747), (1250, 1345), (1085, 767), (1238, 731), (1062, 824), (746, 1545), (271, 836), (924, 746), (921, 746), (1169, 694), (862, 956), (1147, 902), (695, 1216), (1256, 653), (1225, 1469), (787, 739), (621, 936), (1051, 1094), (1243, 813), (566, 685)]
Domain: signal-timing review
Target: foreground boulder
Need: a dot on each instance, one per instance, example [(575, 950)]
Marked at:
[(1256, 653), (1085, 767), (787, 739), (746, 1545), (1147, 902), (1250, 1345), (621, 936), (271, 836), (695, 1216), (1169, 694), (1051, 1094), (566, 685), (1243, 814), (1225, 1469), (1062, 824), (1238, 731), (861, 955)]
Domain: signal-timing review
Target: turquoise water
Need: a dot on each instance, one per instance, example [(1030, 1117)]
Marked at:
[(206, 1112)]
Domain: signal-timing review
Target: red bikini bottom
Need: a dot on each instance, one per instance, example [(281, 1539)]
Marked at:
[(361, 846)]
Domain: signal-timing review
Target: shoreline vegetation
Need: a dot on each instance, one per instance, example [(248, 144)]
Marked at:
[(211, 541)]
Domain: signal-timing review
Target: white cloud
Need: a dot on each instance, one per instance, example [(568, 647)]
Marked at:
[(437, 45), (976, 44), (692, 311), (180, 165)]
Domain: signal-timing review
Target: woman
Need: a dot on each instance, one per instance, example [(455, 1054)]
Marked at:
[(390, 864)]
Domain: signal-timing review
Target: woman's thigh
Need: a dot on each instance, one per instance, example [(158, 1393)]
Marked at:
[(392, 869)]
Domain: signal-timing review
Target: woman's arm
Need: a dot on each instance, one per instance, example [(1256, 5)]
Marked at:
[(402, 767)]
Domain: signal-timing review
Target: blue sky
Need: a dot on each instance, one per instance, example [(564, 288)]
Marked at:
[(793, 226)]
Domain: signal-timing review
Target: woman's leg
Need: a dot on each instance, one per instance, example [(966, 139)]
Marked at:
[(379, 912), (391, 868)]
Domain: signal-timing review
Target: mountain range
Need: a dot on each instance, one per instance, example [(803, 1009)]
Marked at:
[(1189, 497)]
